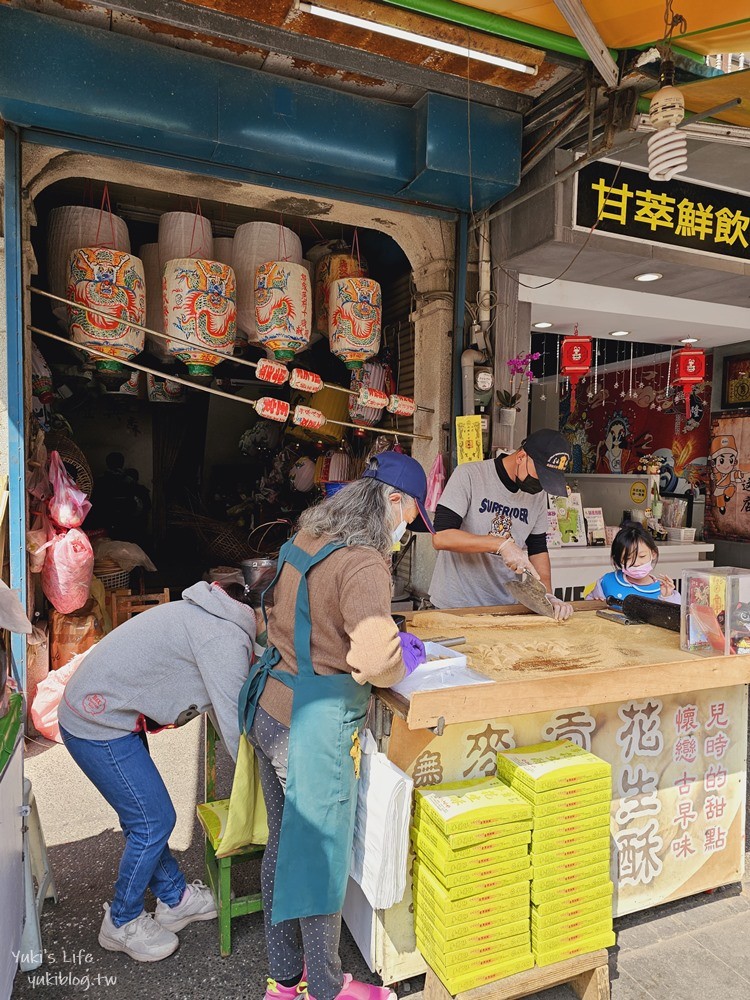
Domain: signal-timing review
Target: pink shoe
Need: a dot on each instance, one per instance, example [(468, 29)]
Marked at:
[(275, 991), (354, 990)]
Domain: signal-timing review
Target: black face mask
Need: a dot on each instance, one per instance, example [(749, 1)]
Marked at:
[(530, 485)]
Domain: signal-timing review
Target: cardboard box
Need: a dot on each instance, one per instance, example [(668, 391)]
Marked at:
[(545, 766), (552, 936), (567, 795), (473, 965), (493, 921), (446, 864), (490, 887), (574, 818), (461, 984), (486, 845), (573, 866), (590, 909), (556, 838), (558, 886), (586, 945), (561, 899), (479, 876), (456, 950), (580, 849)]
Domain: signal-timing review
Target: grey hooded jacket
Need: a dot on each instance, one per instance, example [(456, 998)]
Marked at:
[(165, 666)]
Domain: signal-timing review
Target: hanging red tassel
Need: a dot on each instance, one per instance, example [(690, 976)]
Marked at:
[(575, 356)]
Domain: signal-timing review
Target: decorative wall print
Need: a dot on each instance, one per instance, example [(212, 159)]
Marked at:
[(199, 307), (610, 432), (735, 386), (112, 282), (728, 494)]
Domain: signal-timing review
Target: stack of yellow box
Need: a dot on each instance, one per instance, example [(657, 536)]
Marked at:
[(570, 791), (471, 881)]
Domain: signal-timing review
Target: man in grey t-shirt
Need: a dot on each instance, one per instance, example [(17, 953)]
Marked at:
[(505, 497)]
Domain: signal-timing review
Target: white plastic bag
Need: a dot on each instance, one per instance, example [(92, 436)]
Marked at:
[(68, 570)]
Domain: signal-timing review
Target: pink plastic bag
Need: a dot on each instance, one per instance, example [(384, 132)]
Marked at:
[(48, 696), (435, 483), (69, 505), (68, 570)]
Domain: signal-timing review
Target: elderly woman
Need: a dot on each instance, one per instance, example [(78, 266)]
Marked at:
[(331, 637)]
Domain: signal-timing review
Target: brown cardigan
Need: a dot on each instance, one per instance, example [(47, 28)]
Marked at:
[(352, 628)]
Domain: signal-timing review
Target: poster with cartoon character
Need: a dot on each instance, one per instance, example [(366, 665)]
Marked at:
[(570, 523), (728, 496), (611, 429)]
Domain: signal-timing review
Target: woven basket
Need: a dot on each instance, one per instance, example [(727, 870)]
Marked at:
[(73, 459), (114, 581)]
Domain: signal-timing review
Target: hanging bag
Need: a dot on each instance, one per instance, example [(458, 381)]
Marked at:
[(68, 506)]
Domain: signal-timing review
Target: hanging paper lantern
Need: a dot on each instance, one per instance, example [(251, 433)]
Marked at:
[(283, 308), (133, 386), (368, 382), (149, 254), (224, 250), (164, 390), (272, 371), (302, 475), (575, 362), (272, 409), (199, 307), (184, 234), (306, 416), (329, 268), (356, 313), (71, 227), (689, 368), (255, 243), (402, 406), (112, 282), (41, 377), (333, 467), (305, 381)]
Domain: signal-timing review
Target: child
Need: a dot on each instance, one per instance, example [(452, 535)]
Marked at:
[(634, 555)]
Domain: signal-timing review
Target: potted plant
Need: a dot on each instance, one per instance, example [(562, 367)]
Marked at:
[(519, 368)]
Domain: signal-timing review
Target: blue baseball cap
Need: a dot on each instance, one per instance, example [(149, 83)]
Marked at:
[(405, 475)]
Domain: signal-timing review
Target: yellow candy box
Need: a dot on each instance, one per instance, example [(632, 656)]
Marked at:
[(574, 866), (545, 766), (470, 838), (555, 838), (461, 984), (457, 951), (558, 909), (479, 876), (567, 795), (580, 848), (447, 864), (493, 923), (490, 887), (550, 957), (572, 884), (489, 845), (593, 909), (458, 806), (473, 964)]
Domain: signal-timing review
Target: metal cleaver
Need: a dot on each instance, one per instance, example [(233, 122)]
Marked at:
[(530, 592)]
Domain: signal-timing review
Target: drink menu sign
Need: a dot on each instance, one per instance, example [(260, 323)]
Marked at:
[(625, 202)]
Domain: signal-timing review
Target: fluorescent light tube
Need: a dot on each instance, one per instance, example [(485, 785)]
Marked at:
[(411, 36)]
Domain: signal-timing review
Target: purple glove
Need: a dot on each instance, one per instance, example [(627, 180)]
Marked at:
[(412, 651)]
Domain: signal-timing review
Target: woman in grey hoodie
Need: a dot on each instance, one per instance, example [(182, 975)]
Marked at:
[(158, 670)]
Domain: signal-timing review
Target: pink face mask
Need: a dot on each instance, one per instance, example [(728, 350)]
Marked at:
[(639, 572)]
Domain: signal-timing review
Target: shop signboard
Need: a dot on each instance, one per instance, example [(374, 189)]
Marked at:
[(623, 201)]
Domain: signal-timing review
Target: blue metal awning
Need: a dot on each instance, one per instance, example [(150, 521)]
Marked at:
[(66, 78)]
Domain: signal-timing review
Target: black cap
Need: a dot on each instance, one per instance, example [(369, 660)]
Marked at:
[(550, 453)]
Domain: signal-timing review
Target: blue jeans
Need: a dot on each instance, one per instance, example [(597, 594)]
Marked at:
[(127, 777)]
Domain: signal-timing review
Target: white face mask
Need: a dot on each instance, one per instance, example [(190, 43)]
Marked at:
[(398, 532)]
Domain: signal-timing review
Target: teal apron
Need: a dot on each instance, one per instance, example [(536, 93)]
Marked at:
[(328, 712)]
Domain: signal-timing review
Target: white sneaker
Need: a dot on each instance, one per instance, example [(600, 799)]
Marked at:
[(197, 903), (142, 939)]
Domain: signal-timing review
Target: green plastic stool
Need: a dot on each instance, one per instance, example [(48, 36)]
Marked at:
[(212, 816)]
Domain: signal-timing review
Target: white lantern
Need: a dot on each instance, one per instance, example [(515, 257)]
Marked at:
[(371, 377), (111, 282), (149, 254), (255, 243), (200, 308), (224, 249), (283, 308), (184, 234), (71, 227)]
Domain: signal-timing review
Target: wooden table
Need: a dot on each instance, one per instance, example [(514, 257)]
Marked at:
[(673, 725)]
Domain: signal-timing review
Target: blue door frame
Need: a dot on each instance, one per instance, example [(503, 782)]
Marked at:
[(13, 228)]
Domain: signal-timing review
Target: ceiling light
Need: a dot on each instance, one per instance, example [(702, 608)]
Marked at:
[(649, 276), (542, 326), (689, 340), (619, 333), (411, 36)]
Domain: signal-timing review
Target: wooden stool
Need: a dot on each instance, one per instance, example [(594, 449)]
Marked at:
[(127, 605), (587, 975), (212, 816)]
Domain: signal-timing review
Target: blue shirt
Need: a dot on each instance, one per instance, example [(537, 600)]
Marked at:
[(616, 586)]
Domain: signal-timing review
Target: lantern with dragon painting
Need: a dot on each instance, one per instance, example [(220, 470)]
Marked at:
[(355, 319), (200, 310), (111, 282), (283, 308)]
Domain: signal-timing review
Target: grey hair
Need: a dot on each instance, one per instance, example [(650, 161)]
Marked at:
[(359, 514)]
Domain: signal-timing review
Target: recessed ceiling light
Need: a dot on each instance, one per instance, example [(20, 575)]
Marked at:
[(619, 333), (649, 276), (689, 340), (542, 326)]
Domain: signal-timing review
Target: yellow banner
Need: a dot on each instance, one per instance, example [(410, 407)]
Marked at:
[(469, 439)]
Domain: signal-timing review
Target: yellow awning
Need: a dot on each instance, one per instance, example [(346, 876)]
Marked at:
[(706, 94), (712, 27)]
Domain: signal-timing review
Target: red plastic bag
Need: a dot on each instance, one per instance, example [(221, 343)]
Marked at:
[(48, 697), (69, 505), (68, 570)]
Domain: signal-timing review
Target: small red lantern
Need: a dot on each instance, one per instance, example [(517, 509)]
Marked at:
[(689, 369), (575, 357)]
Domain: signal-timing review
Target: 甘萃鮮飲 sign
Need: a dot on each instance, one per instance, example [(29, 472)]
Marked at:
[(625, 202)]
